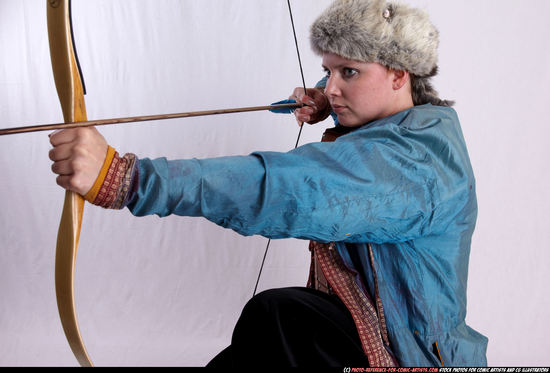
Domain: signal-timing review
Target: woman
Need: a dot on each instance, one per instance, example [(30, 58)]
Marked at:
[(390, 207)]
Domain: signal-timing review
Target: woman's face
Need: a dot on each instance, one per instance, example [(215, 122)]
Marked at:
[(359, 92)]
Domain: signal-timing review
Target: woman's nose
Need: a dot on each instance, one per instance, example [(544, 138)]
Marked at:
[(332, 89)]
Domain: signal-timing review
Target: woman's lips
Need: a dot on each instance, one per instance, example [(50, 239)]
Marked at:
[(338, 108)]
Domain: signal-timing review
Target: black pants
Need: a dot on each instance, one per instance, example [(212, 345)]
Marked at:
[(293, 327)]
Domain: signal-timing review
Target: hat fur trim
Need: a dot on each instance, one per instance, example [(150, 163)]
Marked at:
[(392, 34)]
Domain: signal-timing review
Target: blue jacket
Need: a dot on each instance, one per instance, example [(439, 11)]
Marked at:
[(403, 183)]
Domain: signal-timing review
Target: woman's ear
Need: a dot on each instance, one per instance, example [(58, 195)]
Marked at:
[(400, 78)]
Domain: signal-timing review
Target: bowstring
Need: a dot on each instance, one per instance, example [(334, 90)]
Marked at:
[(299, 132)]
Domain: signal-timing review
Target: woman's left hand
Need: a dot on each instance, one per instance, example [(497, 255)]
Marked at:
[(78, 155)]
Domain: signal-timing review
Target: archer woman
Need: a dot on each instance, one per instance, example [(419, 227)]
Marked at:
[(389, 206)]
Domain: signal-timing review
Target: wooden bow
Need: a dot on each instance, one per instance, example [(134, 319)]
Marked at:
[(71, 96)]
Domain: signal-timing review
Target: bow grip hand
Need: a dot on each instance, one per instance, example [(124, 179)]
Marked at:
[(78, 155)]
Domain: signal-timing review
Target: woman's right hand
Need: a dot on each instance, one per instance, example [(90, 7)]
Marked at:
[(316, 109)]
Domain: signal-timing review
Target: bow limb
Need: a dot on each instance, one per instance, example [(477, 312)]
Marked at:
[(71, 96)]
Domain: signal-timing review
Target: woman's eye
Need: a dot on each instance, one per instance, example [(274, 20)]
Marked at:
[(349, 72), (327, 73)]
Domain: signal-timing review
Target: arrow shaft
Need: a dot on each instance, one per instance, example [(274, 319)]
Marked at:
[(145, 118)]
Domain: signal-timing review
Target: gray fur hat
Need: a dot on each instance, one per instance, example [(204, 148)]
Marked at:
[(391, 34)]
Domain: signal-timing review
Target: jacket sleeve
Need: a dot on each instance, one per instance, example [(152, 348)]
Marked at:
[(377, 184)]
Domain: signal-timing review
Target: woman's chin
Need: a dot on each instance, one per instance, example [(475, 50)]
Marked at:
[(348, 123)]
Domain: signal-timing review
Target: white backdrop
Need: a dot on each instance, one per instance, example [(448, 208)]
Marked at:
[(168, 291)]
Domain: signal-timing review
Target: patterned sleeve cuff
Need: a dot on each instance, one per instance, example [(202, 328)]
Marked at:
[(115, 182)]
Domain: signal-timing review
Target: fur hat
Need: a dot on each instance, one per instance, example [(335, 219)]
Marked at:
[(391, 34)]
